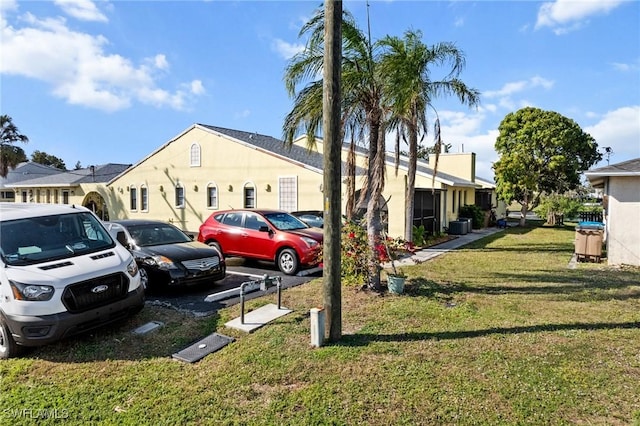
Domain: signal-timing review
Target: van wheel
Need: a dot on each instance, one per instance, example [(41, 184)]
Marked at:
[(8, 347), (288, 261)]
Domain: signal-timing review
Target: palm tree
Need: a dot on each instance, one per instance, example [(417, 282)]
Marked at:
[(409, 90), (10, 155), (361, 114)]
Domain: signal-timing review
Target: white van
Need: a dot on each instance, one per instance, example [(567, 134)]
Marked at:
[(61, 274)]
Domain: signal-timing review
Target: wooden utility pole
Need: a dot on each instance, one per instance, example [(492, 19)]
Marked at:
[(331, 106)]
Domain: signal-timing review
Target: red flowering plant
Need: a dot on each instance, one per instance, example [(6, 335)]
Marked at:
[(356, 253), (394, 248), (354, 257)]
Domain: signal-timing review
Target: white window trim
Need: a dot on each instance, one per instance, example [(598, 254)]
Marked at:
[(198, 160), (280, 192), (213, 185), (133, 208), (175, 196), (145, 187), (249, 184)]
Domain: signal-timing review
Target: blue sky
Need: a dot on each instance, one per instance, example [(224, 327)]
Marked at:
[(110, 81)]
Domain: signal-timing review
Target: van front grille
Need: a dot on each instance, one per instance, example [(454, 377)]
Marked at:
[(95, 293)]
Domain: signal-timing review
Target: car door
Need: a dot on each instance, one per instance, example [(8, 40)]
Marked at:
[(260, 242), (231, 234)]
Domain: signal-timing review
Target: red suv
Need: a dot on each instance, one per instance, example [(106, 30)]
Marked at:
[(271, 235)]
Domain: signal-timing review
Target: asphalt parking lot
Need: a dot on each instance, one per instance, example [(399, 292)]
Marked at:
[(192, 300)]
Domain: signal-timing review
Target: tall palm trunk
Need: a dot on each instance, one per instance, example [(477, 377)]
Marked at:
[(409, 198), (374, 225)]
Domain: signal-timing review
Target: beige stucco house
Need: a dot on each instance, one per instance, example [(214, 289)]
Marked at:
[(621, 188), (207, 168)]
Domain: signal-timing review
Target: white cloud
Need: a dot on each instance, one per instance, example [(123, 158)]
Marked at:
[(84, 10), (568, 15), (197, 88), (519, 86), (286, 50), (623, 67), (79, 70), (504, 95), (620, 130), (160, 62), (242, 114)]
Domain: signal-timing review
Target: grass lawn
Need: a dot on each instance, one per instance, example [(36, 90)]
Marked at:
[(500, 332)]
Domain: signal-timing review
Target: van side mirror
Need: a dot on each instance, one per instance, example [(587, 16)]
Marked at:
[(122, 238)]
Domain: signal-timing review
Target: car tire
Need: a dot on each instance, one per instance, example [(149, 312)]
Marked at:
[(8, 347), (288, 261), (215, 245)]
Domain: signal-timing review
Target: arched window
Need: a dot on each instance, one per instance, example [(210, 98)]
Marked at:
[(194, 155), (179, 196), (144, 198), (212, 195), (249, 196), (133, 198)]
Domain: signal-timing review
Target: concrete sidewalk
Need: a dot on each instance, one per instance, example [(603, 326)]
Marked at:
[(435, 251)]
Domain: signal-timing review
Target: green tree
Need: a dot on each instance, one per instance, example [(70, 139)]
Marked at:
[(10, 154), (361, 113), (41, 157), (541, 152), (556, 204), (406, 67)]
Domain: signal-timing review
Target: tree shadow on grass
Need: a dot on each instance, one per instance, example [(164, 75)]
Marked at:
[(366, 338), (565, 284)]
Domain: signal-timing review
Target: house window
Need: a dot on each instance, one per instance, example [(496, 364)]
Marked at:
[(249, 196), (24, 196), (65, 197), (453, 203), (48, 196), (144, 198), (133, 198), (194, 157), (288, 193), (8, 195), (179, 196), (212, 196), (55, 196)]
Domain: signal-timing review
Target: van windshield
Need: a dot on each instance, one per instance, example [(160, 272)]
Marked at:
[(41, 239)]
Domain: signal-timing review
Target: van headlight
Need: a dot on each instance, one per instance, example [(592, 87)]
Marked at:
[(31, 292), (132, 268), (160, 262)]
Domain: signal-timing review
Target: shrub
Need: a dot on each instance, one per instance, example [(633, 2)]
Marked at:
[(356, 255), (418, 235), (475, 213)]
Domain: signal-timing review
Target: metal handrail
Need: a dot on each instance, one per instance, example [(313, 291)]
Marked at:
[(265, 282)]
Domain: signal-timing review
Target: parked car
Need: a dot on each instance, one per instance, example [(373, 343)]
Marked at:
[(61, 274), (270, 235), (313, 218), (167, 256)]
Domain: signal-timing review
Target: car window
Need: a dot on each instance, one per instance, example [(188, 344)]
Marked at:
[(157, 234), (232, 219), (285, 221), (254, 221)]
